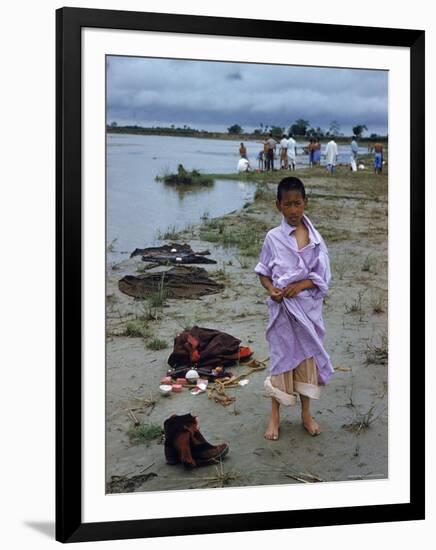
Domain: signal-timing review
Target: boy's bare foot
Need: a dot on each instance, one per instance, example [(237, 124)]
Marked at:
[(310, 424), (272, 430)]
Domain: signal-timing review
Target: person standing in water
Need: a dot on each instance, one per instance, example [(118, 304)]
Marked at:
[(378, 158), (271, 142), (260, 160), (310, 147), (265, 153), (243, 151), (316, 152)]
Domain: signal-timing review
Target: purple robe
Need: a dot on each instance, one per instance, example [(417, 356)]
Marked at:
[(296, 329)]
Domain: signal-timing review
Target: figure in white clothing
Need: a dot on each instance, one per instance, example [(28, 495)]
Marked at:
[(292, 151), (284, 153), (331, 155), (243, 165), (354, 154)]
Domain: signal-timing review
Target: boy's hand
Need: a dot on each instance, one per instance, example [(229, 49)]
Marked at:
[(293, 289), (276, 294)]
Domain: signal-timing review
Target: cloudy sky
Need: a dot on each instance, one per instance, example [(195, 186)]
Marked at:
[(214, 95)]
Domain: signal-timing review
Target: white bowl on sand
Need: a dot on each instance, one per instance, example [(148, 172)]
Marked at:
[(165, 389)]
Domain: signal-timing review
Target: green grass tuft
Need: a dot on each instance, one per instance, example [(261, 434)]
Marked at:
[(156, 344), (144, 433), (136, 328)]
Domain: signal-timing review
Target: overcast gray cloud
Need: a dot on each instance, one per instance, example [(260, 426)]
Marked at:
[(214, 95)]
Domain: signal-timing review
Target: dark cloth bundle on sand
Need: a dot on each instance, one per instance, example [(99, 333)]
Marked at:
[(184, 443), (205, 349), (164, 254), (177, 282)]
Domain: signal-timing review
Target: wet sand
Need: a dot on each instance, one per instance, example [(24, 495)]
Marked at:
[(350, 211)]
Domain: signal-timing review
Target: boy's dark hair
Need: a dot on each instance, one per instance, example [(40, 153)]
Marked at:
[(290, 184)]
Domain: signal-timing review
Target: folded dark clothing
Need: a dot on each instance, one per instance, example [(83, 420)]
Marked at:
[(173, 253), (177, 282)]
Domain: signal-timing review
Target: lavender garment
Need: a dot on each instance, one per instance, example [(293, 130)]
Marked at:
[(296, 329)]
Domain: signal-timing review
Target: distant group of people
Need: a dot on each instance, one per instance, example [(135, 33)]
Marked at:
[(332, 155), (266, 156), (377, 149), (288, 152)]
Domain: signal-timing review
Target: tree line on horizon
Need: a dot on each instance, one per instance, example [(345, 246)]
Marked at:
[(300, 128)]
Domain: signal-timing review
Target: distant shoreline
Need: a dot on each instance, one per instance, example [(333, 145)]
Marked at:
[(225, 136)]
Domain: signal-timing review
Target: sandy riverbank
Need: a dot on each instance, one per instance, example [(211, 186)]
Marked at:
[(350, 210)]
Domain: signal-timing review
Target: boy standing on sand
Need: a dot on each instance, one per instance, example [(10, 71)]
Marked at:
[(294, 268)]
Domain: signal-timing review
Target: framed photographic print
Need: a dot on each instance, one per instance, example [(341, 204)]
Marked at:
[(240, 232)]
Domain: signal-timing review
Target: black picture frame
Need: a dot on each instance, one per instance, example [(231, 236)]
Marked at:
[(69, 22)]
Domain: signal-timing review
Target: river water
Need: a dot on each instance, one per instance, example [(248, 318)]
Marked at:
[(140, 208)]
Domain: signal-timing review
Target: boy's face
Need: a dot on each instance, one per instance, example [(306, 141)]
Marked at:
[(292, 207)]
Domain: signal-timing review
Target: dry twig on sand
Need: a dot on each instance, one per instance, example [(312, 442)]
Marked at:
[(220, 479), (132, 417), (150, 404), (342, 369), (302, 477)]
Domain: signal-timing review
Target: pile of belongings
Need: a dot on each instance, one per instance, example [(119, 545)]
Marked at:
[(184, 443), (173, 254), (178, 282), (208, 351)]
